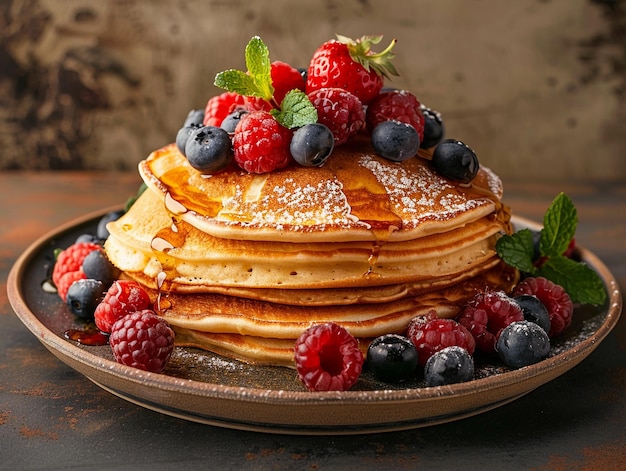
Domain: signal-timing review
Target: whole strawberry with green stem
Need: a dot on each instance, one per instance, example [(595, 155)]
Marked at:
[(351, 65)]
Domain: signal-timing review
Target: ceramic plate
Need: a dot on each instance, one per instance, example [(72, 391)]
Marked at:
[(207, 388)]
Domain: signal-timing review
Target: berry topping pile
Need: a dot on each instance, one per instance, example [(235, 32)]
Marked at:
[(68, 266), (122, 298), (115, 311), (341, 93), (556, 301), (486, 315)]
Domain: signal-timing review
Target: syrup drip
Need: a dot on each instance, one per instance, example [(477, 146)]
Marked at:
[(372, 260), (187, 197), (166, 240), (370, 204), (89, 336)]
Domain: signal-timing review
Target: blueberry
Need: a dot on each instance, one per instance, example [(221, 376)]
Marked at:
[(102, 232), (534, 310), (448, 366), (522, 343), (87, 238), (209, 149), (433, 128), (455, 160), (194, 118), (392, 358), (231, 121), (97, 266), (183, 136), (312, 144), (83, 296), (395, 140)]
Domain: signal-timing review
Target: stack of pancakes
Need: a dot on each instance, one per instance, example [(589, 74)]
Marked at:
[(241, 264)]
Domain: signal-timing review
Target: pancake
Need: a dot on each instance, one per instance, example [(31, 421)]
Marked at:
[(200, 262), (355, 196), (242, 264)]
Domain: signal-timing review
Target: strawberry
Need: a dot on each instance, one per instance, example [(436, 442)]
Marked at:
[(351, 65)]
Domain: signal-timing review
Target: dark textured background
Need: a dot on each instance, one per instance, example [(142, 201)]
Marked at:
[(536, 87)]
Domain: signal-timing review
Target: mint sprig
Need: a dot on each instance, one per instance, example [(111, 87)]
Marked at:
[(581, 283), (257, 81), (294, 111)]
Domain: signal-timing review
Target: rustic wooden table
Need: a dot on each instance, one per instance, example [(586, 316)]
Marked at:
[(52, 417)]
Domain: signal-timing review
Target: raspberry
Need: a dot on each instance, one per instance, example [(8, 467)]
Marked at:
[(554, 298), (123, 297), (284, 79), (220, 106), (328, 358), (71, 260), (260, 143), (430, 334), (486, 315), (67, 280), (142, 340), (397, 105), (340, 110)]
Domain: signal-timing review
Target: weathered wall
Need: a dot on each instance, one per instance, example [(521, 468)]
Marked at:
[(536, 87)]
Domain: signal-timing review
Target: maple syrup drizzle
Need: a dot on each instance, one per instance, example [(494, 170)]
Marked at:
[(371, 204), (166, 240), (88, 336)]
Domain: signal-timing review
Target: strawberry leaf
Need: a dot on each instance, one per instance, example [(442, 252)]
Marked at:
[(516, 250), (360, 51), (559, 226), (296, 110)]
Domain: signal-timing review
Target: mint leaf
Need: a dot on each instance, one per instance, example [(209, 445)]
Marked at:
[(260, 67), (257, 81), (559, 227), (582, 283), (237, 81), (296, 110), (516, 250)]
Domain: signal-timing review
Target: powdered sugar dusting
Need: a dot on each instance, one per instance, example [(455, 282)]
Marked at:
[(294, 205), (419, 194)]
